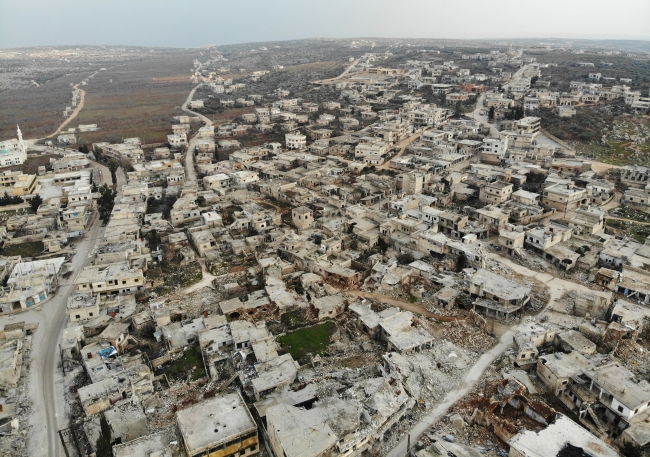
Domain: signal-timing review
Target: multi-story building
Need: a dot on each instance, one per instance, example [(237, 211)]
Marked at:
[(528, 124), (494, 150), (115, 278), (295, 140), (371, 153), (565, 197), (495, 192)]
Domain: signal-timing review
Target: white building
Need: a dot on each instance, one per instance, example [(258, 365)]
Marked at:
[(295, 140), (13, 152)]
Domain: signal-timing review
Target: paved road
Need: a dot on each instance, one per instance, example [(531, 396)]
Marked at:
[(494, 133), (187, 110), (45, 379)]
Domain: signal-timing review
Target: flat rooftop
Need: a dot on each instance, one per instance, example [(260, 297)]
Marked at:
[(213, 421)]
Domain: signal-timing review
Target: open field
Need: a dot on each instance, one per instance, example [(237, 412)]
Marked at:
[(188, 366), (34, 161), (36, 83), (38, 110), (626, 142), (622, 67), (137, 99), (637, 231), (632, 214)]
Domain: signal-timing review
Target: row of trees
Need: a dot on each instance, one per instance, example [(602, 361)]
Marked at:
[(7, 200), (34, 202)]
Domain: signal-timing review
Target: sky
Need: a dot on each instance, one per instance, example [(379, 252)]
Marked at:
[(196, 23)]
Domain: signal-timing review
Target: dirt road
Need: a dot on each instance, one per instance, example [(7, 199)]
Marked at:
[(190, 172), (336, 78), (402, 144), (557, 287), (80, 105), (206, 280), (453, 396), (406, 306)]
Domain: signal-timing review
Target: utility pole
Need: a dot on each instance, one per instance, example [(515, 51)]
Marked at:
[(408, 446)]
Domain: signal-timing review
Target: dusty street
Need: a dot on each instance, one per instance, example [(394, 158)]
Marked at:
[(190, 172), (45, 378)]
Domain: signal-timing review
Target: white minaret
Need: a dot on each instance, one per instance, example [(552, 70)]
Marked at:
[(21, 144)]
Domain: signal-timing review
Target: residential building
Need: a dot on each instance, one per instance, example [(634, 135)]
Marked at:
[(219, 426), (295, 140), (496, 192), (116, 278), (564, 197)]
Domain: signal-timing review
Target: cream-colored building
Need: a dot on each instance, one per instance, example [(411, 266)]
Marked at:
[(116, 278), (302, 217)]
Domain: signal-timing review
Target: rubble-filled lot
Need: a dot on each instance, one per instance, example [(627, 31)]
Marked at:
[(169, 277)]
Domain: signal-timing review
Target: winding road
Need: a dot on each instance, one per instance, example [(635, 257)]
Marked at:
[(190, 171)]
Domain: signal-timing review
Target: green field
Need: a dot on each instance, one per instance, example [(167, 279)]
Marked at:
[(23, 249), (618, 147), (637, 231), (179, 369), (311, 340), (174, 276)]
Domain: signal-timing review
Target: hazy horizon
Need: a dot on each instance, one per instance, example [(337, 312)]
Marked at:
[(198, 23)]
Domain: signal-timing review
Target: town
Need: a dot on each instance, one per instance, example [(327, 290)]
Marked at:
[(406, 256)]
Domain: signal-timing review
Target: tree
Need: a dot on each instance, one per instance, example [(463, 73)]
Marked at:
[(113, 165), (461, 263), (458, 111), (520, 113), (6, 199), (103, 444), (491, 113), (105, 202), (35, 202), (405, 259)]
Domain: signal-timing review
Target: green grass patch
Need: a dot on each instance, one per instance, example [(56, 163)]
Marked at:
[(180, 369), (624, 142), (23, 249), (312, 340), (626, 212), (637, 231)]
